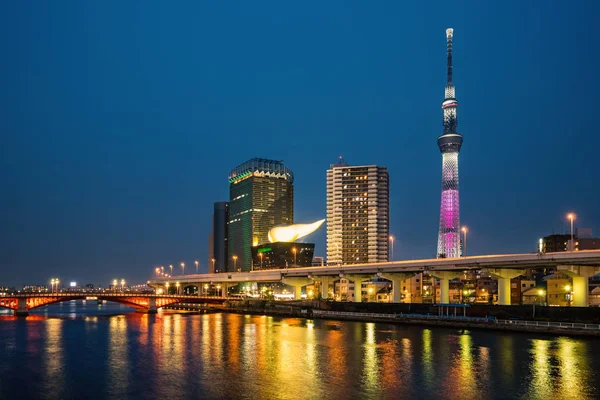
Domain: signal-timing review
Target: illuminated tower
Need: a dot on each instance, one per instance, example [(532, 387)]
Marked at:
[(449, 144)]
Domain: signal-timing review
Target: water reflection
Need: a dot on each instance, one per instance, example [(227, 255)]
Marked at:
[(54, 359), (118, 357), (232, 356), (427, 359)]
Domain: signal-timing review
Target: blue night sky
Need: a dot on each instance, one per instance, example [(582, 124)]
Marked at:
[(120, 121)]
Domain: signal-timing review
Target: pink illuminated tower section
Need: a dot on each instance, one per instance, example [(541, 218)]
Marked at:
[(449, 144)]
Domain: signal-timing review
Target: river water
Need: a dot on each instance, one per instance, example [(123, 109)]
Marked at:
[(84, 351)]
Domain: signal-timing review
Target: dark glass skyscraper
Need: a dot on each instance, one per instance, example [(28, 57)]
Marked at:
[(218, 245), (261, 196)]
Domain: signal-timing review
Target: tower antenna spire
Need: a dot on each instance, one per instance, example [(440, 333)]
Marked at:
[(449, 34)]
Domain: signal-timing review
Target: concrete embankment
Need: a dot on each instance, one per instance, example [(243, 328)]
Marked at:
[(304, 311)]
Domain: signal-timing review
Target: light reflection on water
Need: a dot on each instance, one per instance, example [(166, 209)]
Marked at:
[(236, 356)]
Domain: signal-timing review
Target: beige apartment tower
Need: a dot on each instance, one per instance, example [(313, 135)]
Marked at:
[(358, 215)]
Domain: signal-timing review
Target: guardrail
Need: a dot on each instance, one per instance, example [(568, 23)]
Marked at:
[(543, 324)]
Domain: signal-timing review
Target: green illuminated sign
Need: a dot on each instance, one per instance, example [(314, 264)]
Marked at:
[(264, 249)]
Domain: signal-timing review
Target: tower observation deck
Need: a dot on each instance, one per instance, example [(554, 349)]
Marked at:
[(449, 144)]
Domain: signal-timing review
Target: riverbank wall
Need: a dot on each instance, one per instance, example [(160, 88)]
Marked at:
[(428, 315)]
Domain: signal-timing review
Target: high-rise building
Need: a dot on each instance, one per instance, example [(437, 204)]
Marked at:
[(218, 240), (449, 143), (261, 196), (358, 200)]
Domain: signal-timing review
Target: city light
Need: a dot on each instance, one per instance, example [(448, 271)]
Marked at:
[(571, 217), (196, 262)]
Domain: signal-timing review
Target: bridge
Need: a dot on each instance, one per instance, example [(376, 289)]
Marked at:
[(21, 304), (580, 265)]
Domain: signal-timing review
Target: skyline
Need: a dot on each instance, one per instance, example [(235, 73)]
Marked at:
[(109, 133)]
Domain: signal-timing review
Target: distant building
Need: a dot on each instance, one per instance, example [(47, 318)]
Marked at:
[(519, 286), (561, 242), (261, 196), (218, 239), (318, 261), (357, 214), (554, 243), (282, 255), (558, 290)]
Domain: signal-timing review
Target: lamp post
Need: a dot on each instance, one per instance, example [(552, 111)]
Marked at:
[(171, 267), (213, 268), (182, 268), (219, 289), (464, 231), (176, 287), (294, 251), (167, 286), (568, 294), (157, 271), (52, 285), (122, 285), (196, 262), (540, 295), (571, 217), (392, 241), (235, 262), (115, 283), (206, 289), (261, 259)]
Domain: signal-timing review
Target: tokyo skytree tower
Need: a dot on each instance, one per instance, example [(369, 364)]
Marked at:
[(449, 144)]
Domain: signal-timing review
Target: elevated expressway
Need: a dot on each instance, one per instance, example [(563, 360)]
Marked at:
[(580, 265)]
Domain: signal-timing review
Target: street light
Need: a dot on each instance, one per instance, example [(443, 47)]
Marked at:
[(294, 251), (464, 231), (571, 217), (213, 261), (568, 290), (235, 262), (115, 283), (122, 285), (219, 289), (261, 259), (541, 293), (52, 285), (176, 287), (167, 286), (196, 262), (392, 241), (182, 268), (157, 271), (206, 289)]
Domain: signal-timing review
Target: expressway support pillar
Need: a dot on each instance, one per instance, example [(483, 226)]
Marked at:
[(224, 290), (445, 277), (397, 279), (324, 281), (580, 275), (358, 280), (21, 310), (152, 305), (297, 283), (504, 275)]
